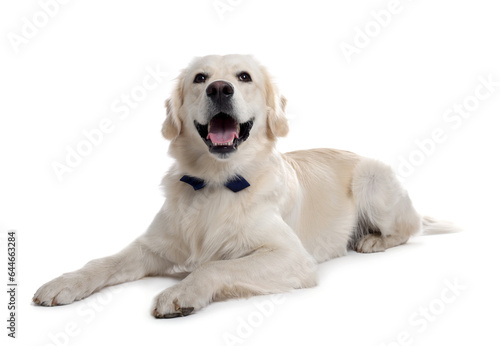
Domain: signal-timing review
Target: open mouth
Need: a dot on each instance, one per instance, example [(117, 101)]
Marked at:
[(223, 134)]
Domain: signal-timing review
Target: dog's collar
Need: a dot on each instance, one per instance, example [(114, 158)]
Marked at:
[(235, 184)]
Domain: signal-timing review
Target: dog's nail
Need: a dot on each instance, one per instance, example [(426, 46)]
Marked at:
[(186, 311), (156, 313), (180, 312)]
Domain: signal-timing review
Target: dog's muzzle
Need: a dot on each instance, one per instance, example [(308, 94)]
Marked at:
[(222, 134)]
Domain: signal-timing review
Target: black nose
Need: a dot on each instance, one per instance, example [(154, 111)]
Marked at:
[(219, 91)]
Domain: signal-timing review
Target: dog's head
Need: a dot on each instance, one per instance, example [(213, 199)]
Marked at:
[(222, 103)]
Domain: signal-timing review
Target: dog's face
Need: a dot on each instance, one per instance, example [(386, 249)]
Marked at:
[(223, 102)]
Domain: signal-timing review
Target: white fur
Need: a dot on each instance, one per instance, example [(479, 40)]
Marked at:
[(302, 208)]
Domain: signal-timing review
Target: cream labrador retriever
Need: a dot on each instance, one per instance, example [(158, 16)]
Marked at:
[(240, 218)]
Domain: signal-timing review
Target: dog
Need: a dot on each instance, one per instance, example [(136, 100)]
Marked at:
[(240, 218)]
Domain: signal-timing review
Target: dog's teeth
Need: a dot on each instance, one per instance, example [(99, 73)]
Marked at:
[(223, 144)]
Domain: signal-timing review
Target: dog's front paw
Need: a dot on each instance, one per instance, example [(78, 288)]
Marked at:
[(64, 290), (178, 301)]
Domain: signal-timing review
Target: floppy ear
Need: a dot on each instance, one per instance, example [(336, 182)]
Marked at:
[(172, 125), (276, 119), (277, 123)]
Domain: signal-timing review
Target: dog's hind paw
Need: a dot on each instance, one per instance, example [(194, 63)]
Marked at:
[(370, 243)]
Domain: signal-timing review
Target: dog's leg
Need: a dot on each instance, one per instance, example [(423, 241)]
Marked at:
[(134, 262), (267, 270), (386, 216)]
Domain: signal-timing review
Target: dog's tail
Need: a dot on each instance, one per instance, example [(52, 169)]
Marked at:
[(432, 226)]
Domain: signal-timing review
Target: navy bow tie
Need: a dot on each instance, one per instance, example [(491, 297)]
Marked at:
[(235, 184)]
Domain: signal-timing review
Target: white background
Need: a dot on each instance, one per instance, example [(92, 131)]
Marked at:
[(394, 92)]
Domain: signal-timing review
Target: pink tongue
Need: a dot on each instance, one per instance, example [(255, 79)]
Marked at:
[(222, 130)]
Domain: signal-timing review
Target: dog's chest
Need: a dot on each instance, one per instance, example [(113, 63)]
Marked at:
[(212, 224)]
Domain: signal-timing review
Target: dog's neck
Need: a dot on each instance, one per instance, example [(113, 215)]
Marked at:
[(248, 162), (235, 184)]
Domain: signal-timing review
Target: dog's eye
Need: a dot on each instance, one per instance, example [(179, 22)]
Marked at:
[(200, 78), (244, 77)]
